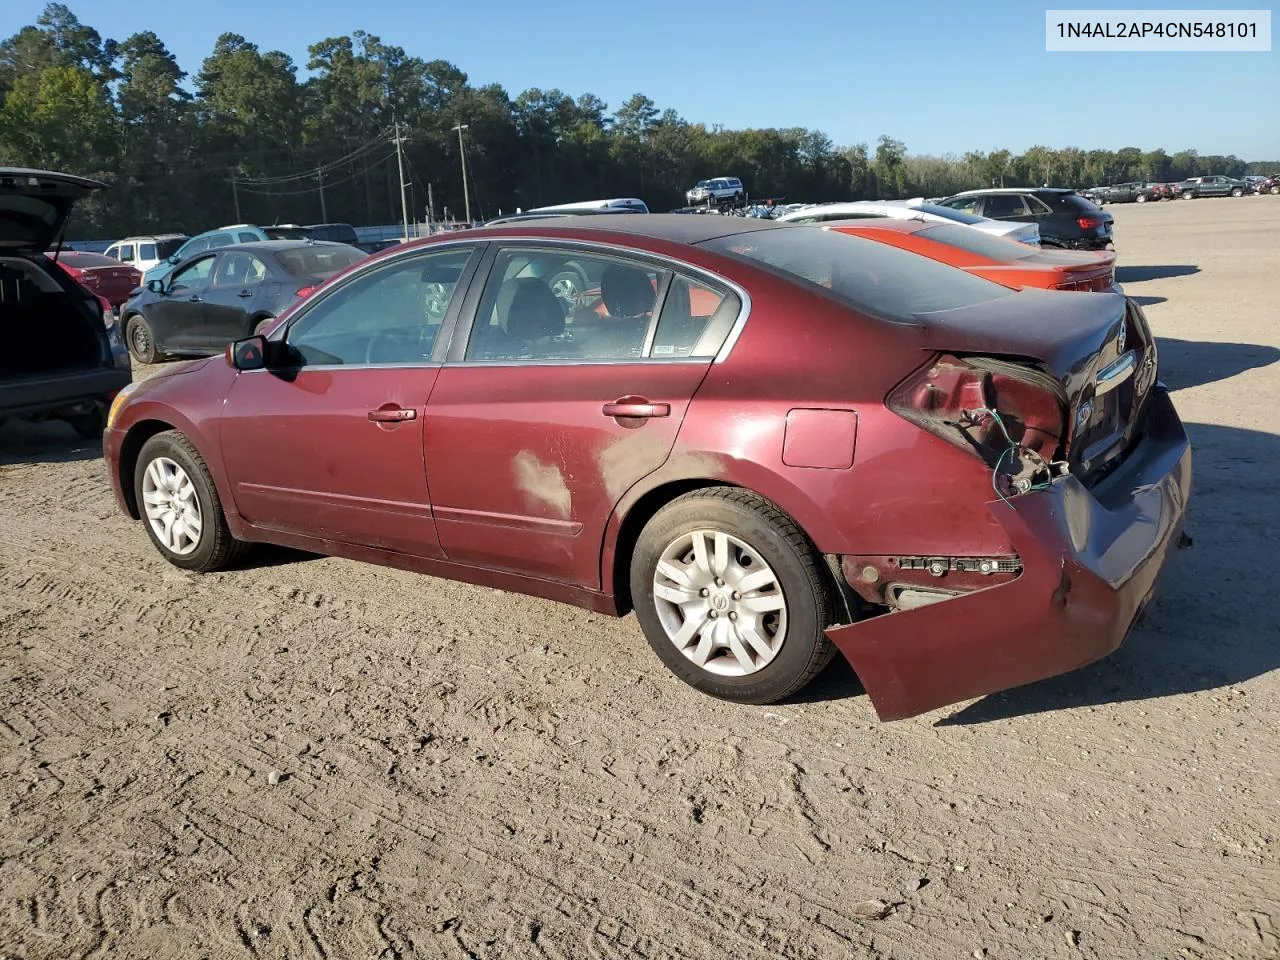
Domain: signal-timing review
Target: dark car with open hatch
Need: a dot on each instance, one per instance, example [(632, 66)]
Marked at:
[(225, 294), (61, 357), (771, 442)]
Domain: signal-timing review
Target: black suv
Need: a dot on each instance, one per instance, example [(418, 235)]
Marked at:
[(1066, 219)]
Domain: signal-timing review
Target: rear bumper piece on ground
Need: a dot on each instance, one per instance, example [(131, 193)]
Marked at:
[(60, 391), (1090, 562)]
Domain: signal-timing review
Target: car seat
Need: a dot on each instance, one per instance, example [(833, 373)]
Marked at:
[(534, 317)]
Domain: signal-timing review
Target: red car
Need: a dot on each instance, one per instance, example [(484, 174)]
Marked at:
[(1002, 261), (778, 442), (108, 278)]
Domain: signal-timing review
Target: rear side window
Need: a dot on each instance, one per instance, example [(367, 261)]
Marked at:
[(220, 240), (146, 251), (1004, 205), (245, 236), (871, 277), (695, 320)]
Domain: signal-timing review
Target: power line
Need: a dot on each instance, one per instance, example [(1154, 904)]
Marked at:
[(311, 172), (327, 185)]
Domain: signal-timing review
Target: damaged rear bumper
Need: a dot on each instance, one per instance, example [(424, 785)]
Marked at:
[(1090, 560)]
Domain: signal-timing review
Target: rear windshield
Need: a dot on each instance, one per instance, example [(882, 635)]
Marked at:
[(869, 276), (1073, 201), (28, 220), (975, 241), (78, 258), (319, 261), (286, 233)]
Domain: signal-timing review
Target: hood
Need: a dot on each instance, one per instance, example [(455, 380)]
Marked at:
[(35, 205)]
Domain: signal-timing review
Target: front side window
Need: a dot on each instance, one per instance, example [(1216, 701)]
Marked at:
[(220, 240), (965, 204), (238, 270), (391, 315), (565, 305), (125, 253), (193, 275), (199, 245)]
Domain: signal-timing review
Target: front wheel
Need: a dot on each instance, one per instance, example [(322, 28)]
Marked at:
[(180, 507), (1187, 195), (1141, 198), (261, 326), (732, 596), (141, 340)]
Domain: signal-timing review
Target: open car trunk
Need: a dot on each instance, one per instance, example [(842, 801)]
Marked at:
[(44, 327)]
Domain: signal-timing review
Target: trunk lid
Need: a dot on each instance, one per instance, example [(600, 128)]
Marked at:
[(1096, 346), (35, 205)]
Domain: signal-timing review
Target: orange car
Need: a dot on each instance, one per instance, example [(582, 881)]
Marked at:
[(1003, 261)]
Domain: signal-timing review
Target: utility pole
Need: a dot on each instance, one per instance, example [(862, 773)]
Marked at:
[(324, 212), (431, 211), (462, 153), (404, 203), (235, 195)]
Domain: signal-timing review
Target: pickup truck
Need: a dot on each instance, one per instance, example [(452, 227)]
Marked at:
[(1216, 186)]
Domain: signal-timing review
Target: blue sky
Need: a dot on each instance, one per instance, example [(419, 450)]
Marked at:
[(941, 76)]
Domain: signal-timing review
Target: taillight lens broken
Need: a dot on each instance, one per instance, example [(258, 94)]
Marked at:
[(986, 406)]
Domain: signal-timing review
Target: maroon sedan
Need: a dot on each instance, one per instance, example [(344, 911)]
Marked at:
[(772, 443), (109, 279)]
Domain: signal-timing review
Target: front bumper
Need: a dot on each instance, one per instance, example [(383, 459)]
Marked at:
[(1090, 562)]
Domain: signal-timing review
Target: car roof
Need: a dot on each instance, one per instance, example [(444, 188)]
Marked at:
[(881, 223), (52, 175), (273, 246), (967, 193), (152, 236), (672, 227)]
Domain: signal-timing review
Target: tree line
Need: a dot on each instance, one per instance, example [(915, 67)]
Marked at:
[(245, 139)]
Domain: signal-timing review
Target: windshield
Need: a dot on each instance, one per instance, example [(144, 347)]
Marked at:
[(872, 277), (983, 244), (167, 248), (959, 216), (319, 261), (703, 183)]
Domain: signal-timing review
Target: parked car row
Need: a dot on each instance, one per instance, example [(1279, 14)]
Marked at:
[(1190, 189)]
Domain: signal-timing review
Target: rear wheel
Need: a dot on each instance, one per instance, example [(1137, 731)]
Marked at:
[(180, 507), (260, 327), (141, 340), (1275, 190), (1237, 192), (732, 596), (1141, 198)]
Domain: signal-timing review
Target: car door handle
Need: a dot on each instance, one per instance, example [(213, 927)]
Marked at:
[(392, 415), (245, 293), (194, 298), (636, 407)]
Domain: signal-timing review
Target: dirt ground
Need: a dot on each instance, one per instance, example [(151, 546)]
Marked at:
[(472, 774)]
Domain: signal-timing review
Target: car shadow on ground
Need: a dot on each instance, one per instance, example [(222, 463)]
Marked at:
[(1190, 363), (1212, 625), (49, 442), (1149, 301), (1139, 274)]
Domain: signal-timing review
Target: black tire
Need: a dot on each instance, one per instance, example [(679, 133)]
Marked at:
[(1188, 195), (801, 574), (1275, 190), (1140, 198), (141, 340), (1237, 192), (216, 548), (88, 426)]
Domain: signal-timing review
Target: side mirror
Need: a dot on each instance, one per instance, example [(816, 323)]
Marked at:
[(247, 354), (155, 286), (173, 258)]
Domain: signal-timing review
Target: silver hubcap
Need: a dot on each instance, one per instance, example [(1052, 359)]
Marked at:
[(720, 603), (172, 507), (141, 341), (566, 288)]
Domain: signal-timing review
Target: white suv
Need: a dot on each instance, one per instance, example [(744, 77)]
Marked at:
[(717, 190), (143, 253)]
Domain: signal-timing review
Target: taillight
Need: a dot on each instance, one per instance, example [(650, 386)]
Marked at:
[(307, 291), (1088, 223), (1009, 414)]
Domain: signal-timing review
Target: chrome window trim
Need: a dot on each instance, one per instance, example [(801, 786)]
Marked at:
[(576, 362), (477, 237)]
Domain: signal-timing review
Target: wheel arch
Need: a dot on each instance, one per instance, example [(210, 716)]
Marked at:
[(616, 558), (130, 448)]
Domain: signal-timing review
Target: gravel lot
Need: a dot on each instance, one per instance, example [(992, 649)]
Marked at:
[(472, 774)]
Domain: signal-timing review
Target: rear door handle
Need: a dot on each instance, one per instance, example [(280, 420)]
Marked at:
[(636, 407), (392, 415), (194, 298), (245, 293)]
